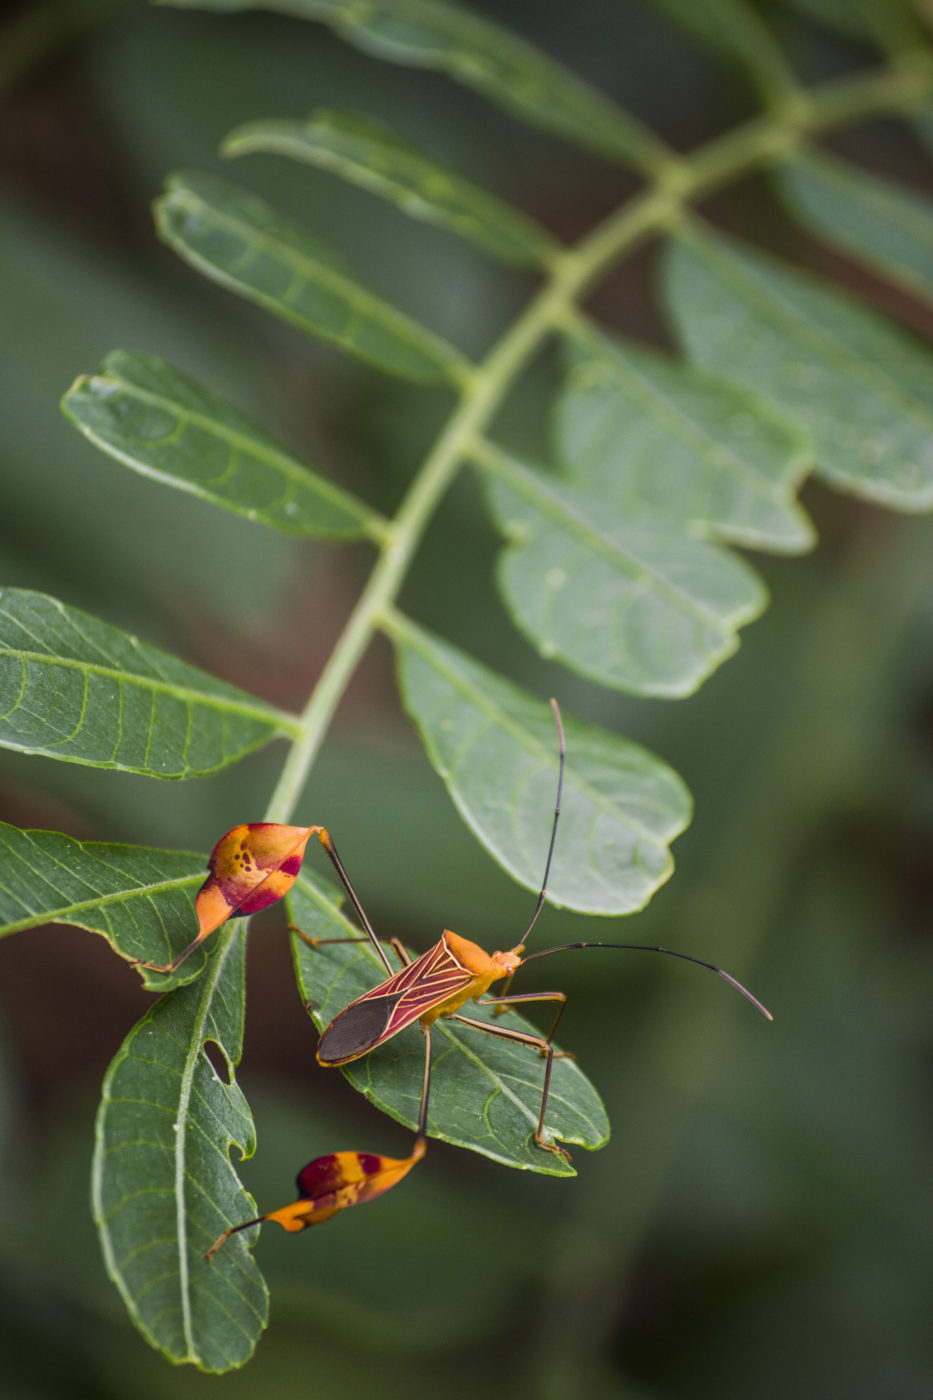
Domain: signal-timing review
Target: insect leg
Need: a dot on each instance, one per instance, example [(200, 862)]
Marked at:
[(324, 836), (546, 1050), (425, 1089), (396, 943), (331, 1184), (503, 1003)]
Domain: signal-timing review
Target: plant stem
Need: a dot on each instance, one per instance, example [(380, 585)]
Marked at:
[(901, 87)]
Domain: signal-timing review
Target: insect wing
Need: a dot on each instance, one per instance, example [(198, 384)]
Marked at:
[(356, 1030), (402, 999)]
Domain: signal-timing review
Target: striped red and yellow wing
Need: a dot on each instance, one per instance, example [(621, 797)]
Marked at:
[(430, 982)]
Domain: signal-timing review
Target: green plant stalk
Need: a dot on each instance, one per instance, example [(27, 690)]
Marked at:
[(900, 88)]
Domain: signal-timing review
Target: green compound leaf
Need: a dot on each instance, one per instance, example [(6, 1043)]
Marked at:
[(141, 899), (75, 688), (167, 426), (237, 239), (887, 228), (646, 432), (473, 51), (163, 1185), (631, 601), (375, 158), (496, 748), (485, 1092), (859, 384)]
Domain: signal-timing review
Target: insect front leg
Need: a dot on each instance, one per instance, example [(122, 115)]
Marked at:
[(324, 836), (396, 943), (538, 1043), (504, 1003)]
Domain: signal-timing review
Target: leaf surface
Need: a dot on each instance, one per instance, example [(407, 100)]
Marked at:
[(75, 688), (646, 432), (496, 748), (163, 1185), (485, 1092), (860, 385), (167, 426), (888, 228), (471, 50), (375, 158), (140, 898), (630, 600), (237, 239)]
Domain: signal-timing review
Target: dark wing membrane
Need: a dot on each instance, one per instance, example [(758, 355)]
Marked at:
[(396, 1003), (357, 1029)]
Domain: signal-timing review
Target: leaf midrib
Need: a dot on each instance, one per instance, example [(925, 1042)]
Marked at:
[(406, 172), (713, 451), (315, 270), (499, 718), (566, 516), (64, 913), (208, 982), (183, 694), (784, 317), (305, 478)]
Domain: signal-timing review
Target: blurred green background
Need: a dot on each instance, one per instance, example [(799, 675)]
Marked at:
[(762, 1222)]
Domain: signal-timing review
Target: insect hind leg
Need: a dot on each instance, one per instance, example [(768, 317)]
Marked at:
[(538, 1043), (505, 1003)]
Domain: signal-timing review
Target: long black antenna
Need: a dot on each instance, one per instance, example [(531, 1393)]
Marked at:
[(550, 850), (648, 948)]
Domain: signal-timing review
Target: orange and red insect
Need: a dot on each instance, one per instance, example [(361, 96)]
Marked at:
[(437, 984)]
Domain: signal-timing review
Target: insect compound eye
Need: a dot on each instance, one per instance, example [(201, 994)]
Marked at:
[(356, 1030)]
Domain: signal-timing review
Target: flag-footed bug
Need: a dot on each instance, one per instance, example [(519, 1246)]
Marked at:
[(437, 984)]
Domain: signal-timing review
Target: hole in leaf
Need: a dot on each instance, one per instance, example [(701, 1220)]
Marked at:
[(218, 1061)]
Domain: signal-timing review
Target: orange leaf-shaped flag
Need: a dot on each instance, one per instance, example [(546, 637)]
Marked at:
[(330, 1184), (251, 867)]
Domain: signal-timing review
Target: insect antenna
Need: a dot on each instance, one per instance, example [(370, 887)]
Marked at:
[(671, 953), (550, 850)]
